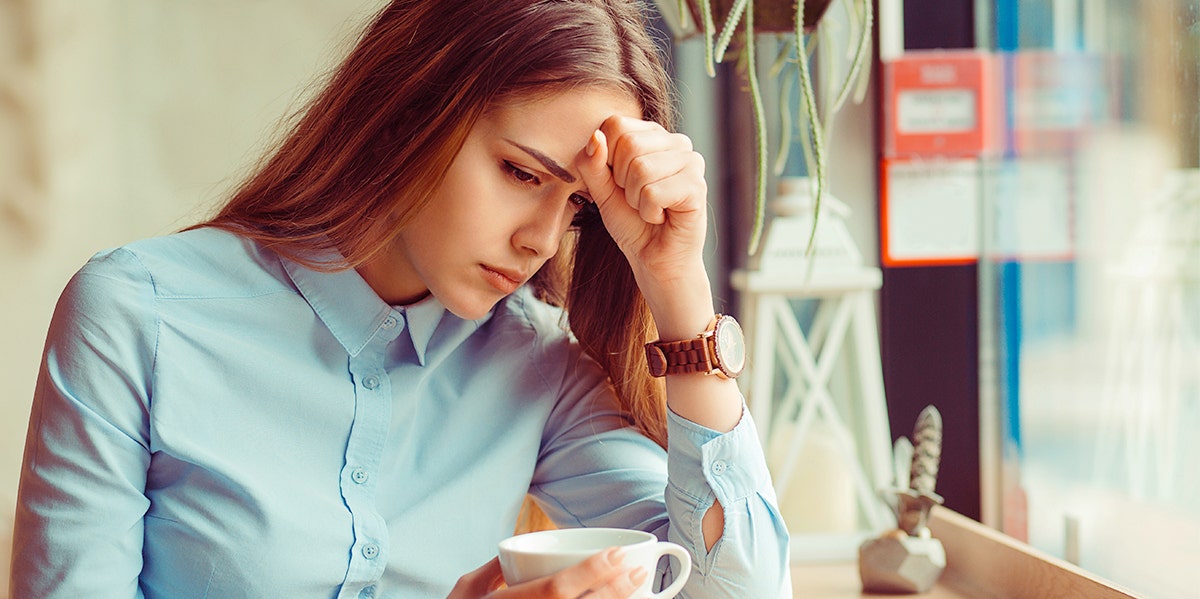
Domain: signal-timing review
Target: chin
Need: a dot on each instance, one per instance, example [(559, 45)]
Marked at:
[(470, 309)]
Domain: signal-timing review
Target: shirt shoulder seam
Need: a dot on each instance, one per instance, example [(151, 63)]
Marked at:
[(157, 321)]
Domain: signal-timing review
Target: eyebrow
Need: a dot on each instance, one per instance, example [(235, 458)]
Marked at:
[(555, 168)]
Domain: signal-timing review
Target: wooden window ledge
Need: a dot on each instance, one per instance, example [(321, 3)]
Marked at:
[(980, 562)]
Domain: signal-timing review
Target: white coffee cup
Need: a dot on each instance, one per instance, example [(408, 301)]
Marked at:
[(537, 554)]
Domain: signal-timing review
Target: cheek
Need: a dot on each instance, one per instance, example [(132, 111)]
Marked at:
[(453, 210), (471, 202)]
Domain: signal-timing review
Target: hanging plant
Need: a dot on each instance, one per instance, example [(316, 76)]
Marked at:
[(800, 23), (769, 17)]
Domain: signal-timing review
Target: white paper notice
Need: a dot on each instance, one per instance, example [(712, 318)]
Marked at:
[(932, 211), (1032, 218), (935, 111)]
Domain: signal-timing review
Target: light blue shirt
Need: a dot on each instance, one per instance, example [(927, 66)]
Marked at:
[(212, 420)]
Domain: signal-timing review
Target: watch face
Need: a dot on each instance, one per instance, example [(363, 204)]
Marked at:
[(731, 346)]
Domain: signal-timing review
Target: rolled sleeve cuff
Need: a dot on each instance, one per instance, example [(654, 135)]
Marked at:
[(732, 463)]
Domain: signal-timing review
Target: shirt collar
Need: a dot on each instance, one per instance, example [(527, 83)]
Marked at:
[(354, 313), (422, 319), (342, 300)]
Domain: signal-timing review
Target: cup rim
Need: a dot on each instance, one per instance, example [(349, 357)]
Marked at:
[(517, 544)]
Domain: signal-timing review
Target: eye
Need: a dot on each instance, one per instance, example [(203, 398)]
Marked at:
[(520, 175), (578, 201), (586, 214)]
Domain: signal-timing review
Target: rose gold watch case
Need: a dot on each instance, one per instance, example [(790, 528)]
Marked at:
[(728, 344)]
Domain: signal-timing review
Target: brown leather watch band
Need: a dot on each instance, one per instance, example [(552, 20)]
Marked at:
[(678, 357), (720, 350)]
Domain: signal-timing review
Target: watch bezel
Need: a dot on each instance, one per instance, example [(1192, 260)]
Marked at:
[(722, 365)]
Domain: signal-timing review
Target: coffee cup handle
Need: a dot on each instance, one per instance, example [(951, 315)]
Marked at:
[(685, 563)]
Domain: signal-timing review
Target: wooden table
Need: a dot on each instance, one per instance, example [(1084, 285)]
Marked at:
[(980, 562), (835, 580)]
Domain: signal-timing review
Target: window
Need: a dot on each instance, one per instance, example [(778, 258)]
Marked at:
[(1090, 288)]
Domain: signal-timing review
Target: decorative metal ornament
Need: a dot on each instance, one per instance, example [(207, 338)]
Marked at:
[(908, 559)]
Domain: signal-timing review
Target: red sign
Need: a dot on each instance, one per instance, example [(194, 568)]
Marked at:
[(941, 103)]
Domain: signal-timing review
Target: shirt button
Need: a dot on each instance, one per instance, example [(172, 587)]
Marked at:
[(367, 593), (370, 551), (388, 323), (359, 475), (719, 467), (371, 382)]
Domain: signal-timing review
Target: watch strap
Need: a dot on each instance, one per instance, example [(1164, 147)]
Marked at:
[(678, 357), (683, 357)]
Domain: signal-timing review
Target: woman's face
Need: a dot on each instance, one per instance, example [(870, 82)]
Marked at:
[(503, 208)]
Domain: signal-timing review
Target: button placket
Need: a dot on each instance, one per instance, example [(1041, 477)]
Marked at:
[(372, 413)]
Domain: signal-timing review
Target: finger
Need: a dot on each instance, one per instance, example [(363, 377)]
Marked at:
[(623, 586), (590, 577), (590, 574), (666, 181), (633, 145), (669, 198), (608, 196), (617, 126), (479, 581), (594, 170), (652, 199)]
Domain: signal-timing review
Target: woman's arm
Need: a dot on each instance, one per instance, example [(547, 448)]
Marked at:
[(650, 189), (81, 502), (649, 186)]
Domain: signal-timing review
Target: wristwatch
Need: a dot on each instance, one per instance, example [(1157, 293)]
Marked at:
[(719, 350)]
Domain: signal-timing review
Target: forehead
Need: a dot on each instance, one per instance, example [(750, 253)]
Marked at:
[(552, 128), (582, 106)]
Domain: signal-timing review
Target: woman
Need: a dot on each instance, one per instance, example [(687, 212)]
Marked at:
[(347, 381)]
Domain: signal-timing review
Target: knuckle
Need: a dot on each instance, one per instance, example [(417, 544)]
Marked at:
[(621, 588), (640, 168), (638, 142), (598, 566), (624, 120), (554, 589), (624, 147), (653, 195)]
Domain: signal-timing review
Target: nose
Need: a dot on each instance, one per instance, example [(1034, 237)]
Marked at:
[(541, 232)]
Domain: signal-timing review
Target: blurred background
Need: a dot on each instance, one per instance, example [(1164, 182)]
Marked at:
[(122, 119), (1060, 340)]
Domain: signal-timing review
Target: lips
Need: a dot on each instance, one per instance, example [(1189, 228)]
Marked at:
[(503, 280)]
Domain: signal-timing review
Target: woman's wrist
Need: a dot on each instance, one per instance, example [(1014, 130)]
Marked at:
[(682, 303)]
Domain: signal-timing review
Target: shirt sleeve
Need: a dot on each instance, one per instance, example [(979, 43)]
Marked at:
[(597, 471), (78, 527), (751, 557)]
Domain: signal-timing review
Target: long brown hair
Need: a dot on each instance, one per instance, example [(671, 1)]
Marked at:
[(370, 149)]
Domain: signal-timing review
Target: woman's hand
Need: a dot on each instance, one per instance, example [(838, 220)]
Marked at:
[(598, 577), (649, 186)]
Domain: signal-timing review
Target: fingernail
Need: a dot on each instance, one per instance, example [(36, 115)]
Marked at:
[(592, 144), (616, 555)]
